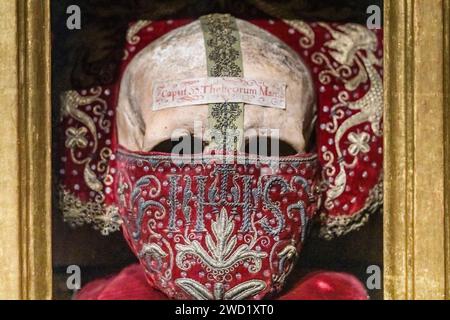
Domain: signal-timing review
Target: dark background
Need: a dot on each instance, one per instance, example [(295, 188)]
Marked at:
[(90, 56)]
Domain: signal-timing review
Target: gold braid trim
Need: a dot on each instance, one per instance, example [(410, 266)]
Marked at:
[(334, 227), (77, 213), (224, 59)]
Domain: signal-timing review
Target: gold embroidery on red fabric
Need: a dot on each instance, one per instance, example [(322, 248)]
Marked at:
[(351, 46), (76, 212), (82, 142), (308, 37)]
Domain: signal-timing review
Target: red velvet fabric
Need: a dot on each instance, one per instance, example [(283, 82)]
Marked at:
[(327, 286), (130, 284), (191, 211)]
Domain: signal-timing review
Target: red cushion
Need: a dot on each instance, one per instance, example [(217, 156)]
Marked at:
[(130, 284), (327, 286)]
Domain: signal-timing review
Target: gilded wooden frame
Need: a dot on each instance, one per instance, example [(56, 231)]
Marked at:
[(417, 150), (25, 150), (417, 123)]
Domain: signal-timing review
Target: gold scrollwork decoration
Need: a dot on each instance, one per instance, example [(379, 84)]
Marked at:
[(346, 47)]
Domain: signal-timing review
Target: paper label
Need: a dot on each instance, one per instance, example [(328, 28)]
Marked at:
[(191, 92)]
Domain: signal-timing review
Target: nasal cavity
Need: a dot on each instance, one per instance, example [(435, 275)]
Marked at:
[(267, 147), (182, 145)]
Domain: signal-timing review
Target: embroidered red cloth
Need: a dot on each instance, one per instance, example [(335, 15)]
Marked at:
[(216, 227)]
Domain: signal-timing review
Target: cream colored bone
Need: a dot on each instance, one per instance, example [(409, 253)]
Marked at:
[(180, 55)]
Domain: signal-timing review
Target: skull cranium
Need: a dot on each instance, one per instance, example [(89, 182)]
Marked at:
[(179, 55)]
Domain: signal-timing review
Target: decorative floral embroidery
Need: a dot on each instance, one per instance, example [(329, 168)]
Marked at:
[(350, 46), (240, 224), (87, 154), (77, 213), (221, 253), (76, 138), (359, 143), (240, 292)]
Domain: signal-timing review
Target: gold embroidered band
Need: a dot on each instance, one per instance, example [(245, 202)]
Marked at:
[(224, 59)]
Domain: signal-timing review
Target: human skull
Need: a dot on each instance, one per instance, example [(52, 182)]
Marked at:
[(242, 223), (179, 55)]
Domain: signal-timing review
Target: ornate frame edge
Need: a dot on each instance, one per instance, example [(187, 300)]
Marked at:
[(446, 54), (416, 222), (35, 127), (25, 148)]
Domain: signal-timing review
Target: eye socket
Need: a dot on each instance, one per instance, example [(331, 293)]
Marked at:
[(184, 145), (262, 146)]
